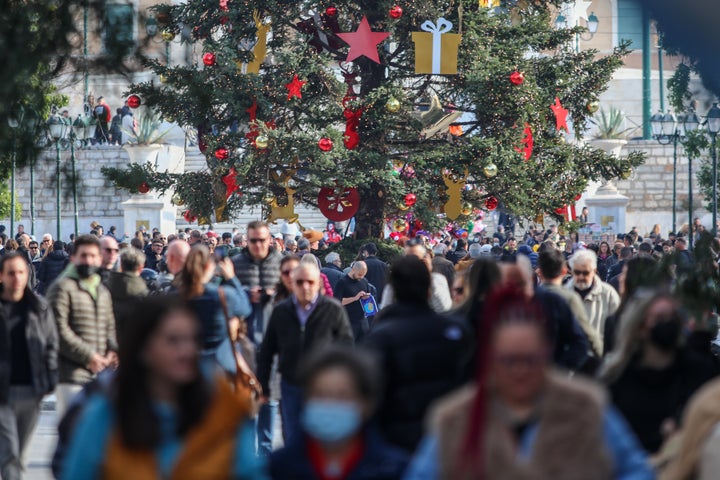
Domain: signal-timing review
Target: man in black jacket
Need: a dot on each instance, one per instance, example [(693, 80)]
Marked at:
[(51, 267), (332, 269), (28, 361), (299, 325), (377, 270), (423, 355)]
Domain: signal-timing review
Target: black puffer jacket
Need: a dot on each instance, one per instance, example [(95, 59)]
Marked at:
[(42, 342), (423, 356), (49, 269), (253, 273)]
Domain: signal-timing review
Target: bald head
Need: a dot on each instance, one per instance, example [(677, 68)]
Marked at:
[(358, 270), (176, 255), (109, 251)]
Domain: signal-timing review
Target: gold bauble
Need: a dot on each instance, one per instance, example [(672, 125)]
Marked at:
[(399, 225), (490, 170), (392, 105), (593, 106), (167, 35), (262, 141), (177, 200), (467, 208), (163, 78)]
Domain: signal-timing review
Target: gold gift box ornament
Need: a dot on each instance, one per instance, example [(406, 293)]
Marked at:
[(436, 50)]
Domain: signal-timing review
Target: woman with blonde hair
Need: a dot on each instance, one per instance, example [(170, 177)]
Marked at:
[(651, 375)]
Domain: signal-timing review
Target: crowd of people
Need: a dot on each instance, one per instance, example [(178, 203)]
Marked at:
[(171, 356)]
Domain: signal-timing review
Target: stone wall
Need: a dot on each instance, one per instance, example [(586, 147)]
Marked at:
[(650, 187), (97, 198), (649, 190)]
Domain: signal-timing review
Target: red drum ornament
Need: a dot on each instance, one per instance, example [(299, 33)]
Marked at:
[(338, 204)]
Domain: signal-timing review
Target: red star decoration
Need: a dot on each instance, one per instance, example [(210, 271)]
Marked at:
[(561, 114), (230, 181), (363, 42), (294, 87)]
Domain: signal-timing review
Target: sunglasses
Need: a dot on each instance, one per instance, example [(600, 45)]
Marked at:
[(285, 273), (300, 282), (258, 240), (458, 290), (110, 250), (583, 273)]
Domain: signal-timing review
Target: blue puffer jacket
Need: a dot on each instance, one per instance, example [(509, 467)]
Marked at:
[(50, 269)]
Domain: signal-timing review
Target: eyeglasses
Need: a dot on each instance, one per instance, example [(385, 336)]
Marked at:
[(527, 361), (46, 241), (111, 250), (583, 273), (258, 240)]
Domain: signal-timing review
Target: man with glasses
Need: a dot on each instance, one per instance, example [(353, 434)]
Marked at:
[(46, 245), (110, 252), (599, 299), (299, 325), (258, 268)]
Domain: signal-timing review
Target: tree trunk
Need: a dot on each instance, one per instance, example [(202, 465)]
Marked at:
[(370, 218)]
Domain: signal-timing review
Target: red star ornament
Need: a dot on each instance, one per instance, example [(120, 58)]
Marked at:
[(561, 114), (363, 42), (230, 181), (294, 87)]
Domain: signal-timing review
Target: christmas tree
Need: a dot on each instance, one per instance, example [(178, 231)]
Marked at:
[(412, 114)]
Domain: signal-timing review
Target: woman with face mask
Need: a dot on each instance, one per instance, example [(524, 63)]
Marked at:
[(162, 418), (341, 391), (651, 374), (521, 420)]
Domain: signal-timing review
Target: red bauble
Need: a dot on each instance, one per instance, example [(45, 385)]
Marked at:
[(143, 187), (331, 11), (517, 78), (491, 203), (222, 153), (410, 199), (209, 59), (396, 12), (338, 204), (395, 236), (134, 101), (325, 144), (189, 217)]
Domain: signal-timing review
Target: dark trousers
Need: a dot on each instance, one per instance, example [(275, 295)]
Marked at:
[(17, 422), (290, 409)]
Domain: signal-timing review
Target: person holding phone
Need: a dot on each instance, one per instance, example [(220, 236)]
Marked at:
[(349, 290)]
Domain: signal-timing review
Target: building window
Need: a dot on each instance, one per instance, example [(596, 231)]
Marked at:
[(119, 31), (630, 22)]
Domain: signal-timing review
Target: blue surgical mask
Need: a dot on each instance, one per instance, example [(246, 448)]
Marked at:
[(331, 421)]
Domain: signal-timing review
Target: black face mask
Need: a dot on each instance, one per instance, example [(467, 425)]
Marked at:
[(85, 271), (665, 334)]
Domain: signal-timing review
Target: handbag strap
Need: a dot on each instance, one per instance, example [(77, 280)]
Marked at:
[(242, 367)]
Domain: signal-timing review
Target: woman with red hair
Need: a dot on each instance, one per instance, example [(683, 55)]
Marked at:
[(521, 420)]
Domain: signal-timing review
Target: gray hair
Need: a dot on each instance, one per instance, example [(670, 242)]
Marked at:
[(131, 259), (332, 257), (310, 259), (440, 249), (475, 250), (583, 256), (238, 239)]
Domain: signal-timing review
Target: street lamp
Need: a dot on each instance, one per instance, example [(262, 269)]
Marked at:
[(57, 129), (667, 129), (690, 124), (712, 121), (27, 119)]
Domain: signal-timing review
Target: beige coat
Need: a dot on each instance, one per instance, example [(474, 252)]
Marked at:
[(578, 309), (569, 445), (600, 303)]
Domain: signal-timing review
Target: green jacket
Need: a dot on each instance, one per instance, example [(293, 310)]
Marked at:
[(86, 325)]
